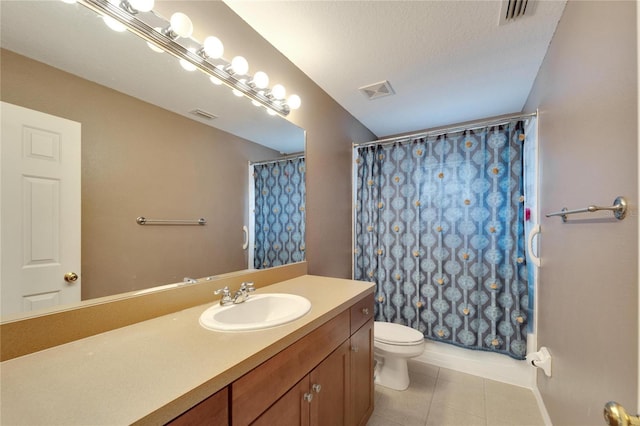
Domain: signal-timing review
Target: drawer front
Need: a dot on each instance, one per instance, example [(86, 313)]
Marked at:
[(254, 392), (361, 312)]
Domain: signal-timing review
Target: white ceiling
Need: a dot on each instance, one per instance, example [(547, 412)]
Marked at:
[(447, 61)]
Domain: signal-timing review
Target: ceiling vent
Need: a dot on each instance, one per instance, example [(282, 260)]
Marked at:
[(514, 9), (203, 114), (377, 90)]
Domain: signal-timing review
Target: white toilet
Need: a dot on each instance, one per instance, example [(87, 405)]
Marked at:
[(393, 345)]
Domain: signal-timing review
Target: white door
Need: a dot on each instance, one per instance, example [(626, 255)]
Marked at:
[(40, 210)]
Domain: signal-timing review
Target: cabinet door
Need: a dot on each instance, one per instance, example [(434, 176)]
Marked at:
[(330, 387), (362, 387), (212, 411), (292, 409)]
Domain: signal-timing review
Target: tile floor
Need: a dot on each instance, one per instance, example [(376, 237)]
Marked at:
[(443, 397)]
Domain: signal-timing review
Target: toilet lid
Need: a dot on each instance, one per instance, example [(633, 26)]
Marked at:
[(395, 334)]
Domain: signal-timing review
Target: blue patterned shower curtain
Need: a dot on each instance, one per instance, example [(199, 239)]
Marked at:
[(439, 227), (279, 212)]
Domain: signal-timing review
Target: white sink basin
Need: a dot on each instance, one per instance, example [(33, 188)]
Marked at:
[(257, 312)]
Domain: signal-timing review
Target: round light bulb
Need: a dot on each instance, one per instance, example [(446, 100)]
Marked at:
[(261, 80), (294, 101), (181, 24), (237, 92), (278, 91), (154, 47), (239, 65), (142, 5), (188, 66), (213, 47), (256, 103), (270, 111), (69, 1), (113, 24), (215, 80)]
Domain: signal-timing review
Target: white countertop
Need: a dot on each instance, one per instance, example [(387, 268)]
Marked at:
[(152, 371)]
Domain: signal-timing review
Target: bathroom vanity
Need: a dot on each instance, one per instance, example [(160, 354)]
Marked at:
[(317, 369)]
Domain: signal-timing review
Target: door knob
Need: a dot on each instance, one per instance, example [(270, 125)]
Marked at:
[(71, 277), (616, 415)]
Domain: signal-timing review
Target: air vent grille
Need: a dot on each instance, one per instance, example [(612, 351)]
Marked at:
[(514, 9), (203, 114), (377, 90)]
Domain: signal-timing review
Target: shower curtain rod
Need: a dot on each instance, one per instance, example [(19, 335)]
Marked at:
[(286, 157), (440, 131)]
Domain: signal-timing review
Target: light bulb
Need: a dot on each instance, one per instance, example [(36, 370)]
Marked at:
[(69, 1), (188, 66), (278, 91), (215, 80), (113, 24), (256, 103), (213, 47), (237, 92), (270, 111), (261, 80), (153, 46), (294, 101), (142, 5), (239, 65), (181, 24)]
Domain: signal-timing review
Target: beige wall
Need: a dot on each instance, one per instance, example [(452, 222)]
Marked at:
[(141, 160), (586, 91), (330, 131)]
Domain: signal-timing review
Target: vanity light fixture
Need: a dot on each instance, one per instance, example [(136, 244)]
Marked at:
[(174, 37)]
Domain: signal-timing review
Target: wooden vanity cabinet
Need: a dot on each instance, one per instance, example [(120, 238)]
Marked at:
[(361, 362), (325, 378), (212, 411), (320, 398)]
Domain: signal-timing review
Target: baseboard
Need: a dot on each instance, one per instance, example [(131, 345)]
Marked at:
[(542, 407)]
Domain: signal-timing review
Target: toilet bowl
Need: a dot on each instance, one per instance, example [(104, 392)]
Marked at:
[(393, 345)]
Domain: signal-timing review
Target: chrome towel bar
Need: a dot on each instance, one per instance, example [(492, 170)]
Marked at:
[(619, 210), (144, 221)]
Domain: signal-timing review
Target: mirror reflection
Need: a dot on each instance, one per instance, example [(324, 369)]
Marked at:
[(141, 151)]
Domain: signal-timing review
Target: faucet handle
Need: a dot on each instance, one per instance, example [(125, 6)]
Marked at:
[(226, 294), (247, 286), (224, 290)]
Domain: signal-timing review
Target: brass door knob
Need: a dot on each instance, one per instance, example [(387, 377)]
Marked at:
[(71, 277), (615, 415)]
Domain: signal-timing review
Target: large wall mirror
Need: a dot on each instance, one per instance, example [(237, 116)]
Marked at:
[(144, 152)]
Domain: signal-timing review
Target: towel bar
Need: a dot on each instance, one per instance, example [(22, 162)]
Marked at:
[(144, 221), (619, 210)]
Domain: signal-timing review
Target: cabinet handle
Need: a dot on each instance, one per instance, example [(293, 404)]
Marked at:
[(365, 311), (316, 388), (307, 396), (354, 349)]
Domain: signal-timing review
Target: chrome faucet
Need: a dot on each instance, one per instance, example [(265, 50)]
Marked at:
[(226, 295), (189, 280), (243, 293)]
